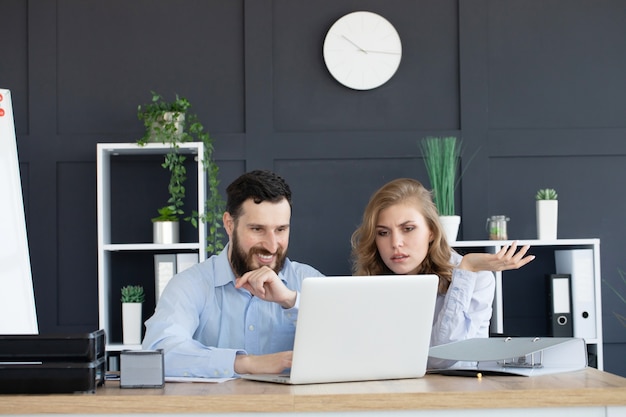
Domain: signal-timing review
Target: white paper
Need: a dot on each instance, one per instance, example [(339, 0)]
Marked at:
[(195, 379)]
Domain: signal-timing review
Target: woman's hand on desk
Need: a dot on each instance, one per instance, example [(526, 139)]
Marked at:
[(273, 363), (505, 259)]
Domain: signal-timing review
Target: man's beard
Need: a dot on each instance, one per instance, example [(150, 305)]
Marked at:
[(242, 262)]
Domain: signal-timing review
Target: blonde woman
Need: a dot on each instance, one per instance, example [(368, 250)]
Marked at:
[(401, 234)]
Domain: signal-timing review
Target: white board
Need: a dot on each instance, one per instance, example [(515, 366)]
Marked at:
[(17, 299)]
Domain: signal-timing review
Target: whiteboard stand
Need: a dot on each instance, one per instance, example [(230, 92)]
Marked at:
[(17, 299)]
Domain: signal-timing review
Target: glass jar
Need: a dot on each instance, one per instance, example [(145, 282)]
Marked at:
[(496, 226)]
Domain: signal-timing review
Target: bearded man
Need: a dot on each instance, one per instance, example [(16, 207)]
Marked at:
[(235, 313)]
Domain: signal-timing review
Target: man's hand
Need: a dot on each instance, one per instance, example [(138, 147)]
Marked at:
[(505, 259), (265, 284), (273, 363)]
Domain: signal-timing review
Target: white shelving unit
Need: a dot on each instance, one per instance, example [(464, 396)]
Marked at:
[(594, 345), (107, 298)]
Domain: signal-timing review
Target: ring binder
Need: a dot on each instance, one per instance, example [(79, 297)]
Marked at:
[(560, 305), (524, 356)]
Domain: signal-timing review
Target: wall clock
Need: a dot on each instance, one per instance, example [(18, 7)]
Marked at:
[(362, 50)]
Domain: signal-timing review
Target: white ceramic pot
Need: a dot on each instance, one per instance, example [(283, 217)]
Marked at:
[(165, 232), (451, 227), (168, 117), (131, 323), (547, 219)]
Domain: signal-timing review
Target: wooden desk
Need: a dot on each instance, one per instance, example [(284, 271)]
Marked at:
[(603, 393)]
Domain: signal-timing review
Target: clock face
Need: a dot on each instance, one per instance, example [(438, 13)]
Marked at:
[(362, 50)]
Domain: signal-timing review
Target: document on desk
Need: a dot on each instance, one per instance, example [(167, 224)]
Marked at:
[(196, 379), (525, 356)]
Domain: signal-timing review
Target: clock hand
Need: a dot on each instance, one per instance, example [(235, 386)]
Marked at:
[(382, 52), (357, 46), (369, 50)]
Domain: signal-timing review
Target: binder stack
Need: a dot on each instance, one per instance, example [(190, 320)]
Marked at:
[(578, 263), (166, 265), (52, 364)]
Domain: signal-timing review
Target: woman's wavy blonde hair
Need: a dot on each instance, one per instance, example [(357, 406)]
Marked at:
[(365, 256)]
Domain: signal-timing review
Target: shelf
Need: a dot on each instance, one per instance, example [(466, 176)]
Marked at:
[(147, 149), (115, 247), (525, 286), (531, 242), (118, 347), (130, 260)]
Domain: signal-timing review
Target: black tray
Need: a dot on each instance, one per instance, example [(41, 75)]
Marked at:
[(76, 347), (51, 377)]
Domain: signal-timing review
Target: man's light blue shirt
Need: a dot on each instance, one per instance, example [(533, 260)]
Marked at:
[(202, 321)]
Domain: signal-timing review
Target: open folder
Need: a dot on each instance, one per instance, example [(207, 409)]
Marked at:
[(526, 356)]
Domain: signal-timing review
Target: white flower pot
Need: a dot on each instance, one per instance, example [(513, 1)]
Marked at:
[(450, 227), (165, 232), (547, 219), (131, 323), (167, 118)]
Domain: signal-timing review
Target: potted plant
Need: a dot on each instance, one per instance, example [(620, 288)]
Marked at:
[(164, 120), (547, 210), (132, 298), (442, 157), (172, 123)]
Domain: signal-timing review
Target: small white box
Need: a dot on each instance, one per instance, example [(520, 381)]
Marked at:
[(141, 369)]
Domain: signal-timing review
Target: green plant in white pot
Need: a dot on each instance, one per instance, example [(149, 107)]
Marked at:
[(132, 299), (165, 122), (442, 157), (173, 123), (547, 210)]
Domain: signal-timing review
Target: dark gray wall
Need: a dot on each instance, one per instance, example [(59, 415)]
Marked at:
[(536, 86)]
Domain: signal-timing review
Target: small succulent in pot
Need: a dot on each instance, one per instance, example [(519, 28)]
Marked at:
[(133, 294), (546, 194)]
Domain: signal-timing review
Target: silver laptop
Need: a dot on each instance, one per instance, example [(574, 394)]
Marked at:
[(359, 328)]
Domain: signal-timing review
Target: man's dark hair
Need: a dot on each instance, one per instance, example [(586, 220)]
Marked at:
[(260, 185)]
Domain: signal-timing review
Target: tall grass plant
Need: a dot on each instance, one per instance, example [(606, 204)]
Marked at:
[(442, 157)]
